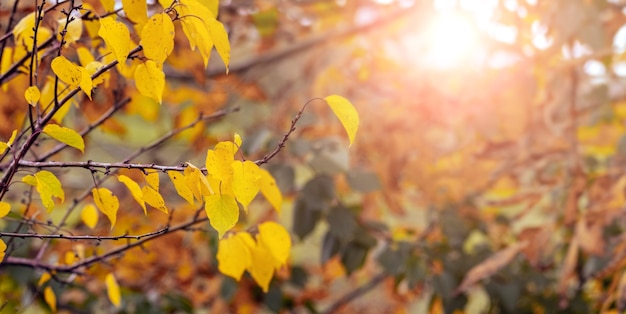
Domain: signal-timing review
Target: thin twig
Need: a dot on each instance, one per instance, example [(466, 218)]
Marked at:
[(80, 237), (74, 268), (347, 298), (283, 141)]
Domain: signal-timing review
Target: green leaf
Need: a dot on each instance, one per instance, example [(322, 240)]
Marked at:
[(346, 113)]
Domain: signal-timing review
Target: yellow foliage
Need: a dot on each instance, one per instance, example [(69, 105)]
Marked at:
[(113, 290), (346, 113), (222, 211), (116, 36), (157, 38), (150, 80), (65, 135), (245, 180), (48, 186), (135, 191), (89, 216), (107, 203)]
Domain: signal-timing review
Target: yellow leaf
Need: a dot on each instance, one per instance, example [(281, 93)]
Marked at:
[(43, 279), (136, 10), (219, 36), (230, 147), (212, 5), (84, 56), (3, 147), (152, 178), (276, 239), (193, 16), (72, 74), (32, 95), (116, 36), (222, 211), (150, 80), (154, 199), (47, 186), (157, 37), (245, 181), (50, 298), (113, 290), (237, 139), (181, 186), (23, 32), (107, 203), (92, 68), (108, 5), (262, 267), (5, 208), (135, 191), (346, 113), (197, 182), (12, 138), (218, 164), (71, 258), (65, 135), (270, 189), (3, 249), (74, 30), (89, 216), (233, 255)]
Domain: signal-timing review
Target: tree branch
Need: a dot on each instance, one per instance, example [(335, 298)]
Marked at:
[(347, 298)]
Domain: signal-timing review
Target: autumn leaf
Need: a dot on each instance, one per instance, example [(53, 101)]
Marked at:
[(43, 279), (4, 146), (233, 255), (5, 209), (222, 211), (193, 15), (270, 189), (74, 30), (48, 186), (72, 74), (346, 113), (32, 95), (262, 267), (116, 36), (24, 32), (276, 239), (154, 199), (197, 182), (65, 135), (157, 38), (135, 191), (113, 290), (107, 203), (180, 184), (50, 298), (136, 10), (152, 178), (3, 249), (219, 163), (219, 36), (245, 181), (89, 216), (150, 80)]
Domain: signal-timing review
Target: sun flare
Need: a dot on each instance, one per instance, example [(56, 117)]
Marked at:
[(451, 40)]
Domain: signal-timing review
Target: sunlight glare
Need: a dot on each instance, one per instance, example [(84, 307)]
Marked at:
[(451, 40)]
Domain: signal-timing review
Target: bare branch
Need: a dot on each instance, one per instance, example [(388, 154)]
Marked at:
[(283, 141)]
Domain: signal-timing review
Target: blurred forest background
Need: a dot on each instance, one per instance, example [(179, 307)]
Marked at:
[(488, 174)]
